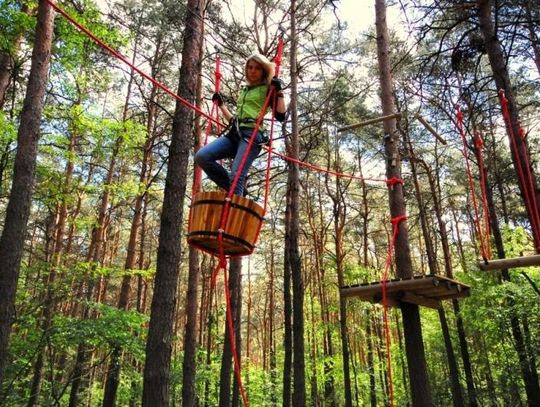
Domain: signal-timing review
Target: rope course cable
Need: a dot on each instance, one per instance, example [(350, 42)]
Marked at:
[(190, 105), (479, 144), (213, 119), (396, 221), (524, 169), (482, 237)]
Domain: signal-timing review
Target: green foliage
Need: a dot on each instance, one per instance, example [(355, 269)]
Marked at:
[(72, 48), (8, 131), (110, 328), (516, 241), (14, 23)]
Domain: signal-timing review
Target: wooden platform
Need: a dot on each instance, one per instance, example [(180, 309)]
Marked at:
[(427, 291)]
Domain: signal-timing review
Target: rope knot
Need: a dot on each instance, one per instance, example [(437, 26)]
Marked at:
[(478, 141), (394, 181), (522, 133), (502, 96), (459, 115), (398, 219)]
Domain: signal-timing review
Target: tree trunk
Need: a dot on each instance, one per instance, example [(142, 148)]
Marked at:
[(7, 63), (420, 390), (211, 322), (18, 208), (370, 362), (457, 394), (271, 346), (339, 214), (237, 312), (292, 231), (189, 395), (530, 378), (287, 326), (227, 357), (159, 346), (520, 150), (533, 37), (6, 67)]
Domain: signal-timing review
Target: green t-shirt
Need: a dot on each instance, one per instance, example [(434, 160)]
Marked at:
[(249, 105)]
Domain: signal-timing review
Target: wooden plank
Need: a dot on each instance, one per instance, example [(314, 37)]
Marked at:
[(428, 289), (391, 286), (429, 128), (502, 264), (391, 301), (420, 300), (370, 121)]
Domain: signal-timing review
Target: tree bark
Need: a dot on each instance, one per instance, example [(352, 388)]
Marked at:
[(520, 149), (533, 37), (159, 346), (530, 378), (339, 214), (237, 332), (287, 325), (457, 394), (420, 389), (7, 63), (227, 357), (18, 208), (292, 232)]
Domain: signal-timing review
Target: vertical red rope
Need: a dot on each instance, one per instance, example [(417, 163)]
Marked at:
[(395, 223), (214, 114), (277, 60), (525, 175), (232, 340), (479, 143), (225, 217), (481, 237), (269, 96)]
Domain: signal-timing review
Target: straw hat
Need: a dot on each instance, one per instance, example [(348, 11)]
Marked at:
[(266, 64)]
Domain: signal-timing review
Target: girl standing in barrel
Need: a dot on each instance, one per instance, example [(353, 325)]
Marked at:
[(259, 73)]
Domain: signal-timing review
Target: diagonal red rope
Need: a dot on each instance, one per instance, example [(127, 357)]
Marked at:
[(524, 170), (158, 84), (479, 231), (395, 223), (479, 143), (125, 61)]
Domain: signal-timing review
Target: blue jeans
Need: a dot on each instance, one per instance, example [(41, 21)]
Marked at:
[(229, 147)]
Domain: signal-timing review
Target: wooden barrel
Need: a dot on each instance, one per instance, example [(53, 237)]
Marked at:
[(241, 229)]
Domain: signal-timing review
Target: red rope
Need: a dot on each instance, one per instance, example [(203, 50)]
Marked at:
[(394, 181), (188, 104), (481, 237), (395, 222), (525, 175), (283, 156), (326, 170), (125, 61), (225, 218), (197, 172), (269, 96), (479, 143)]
